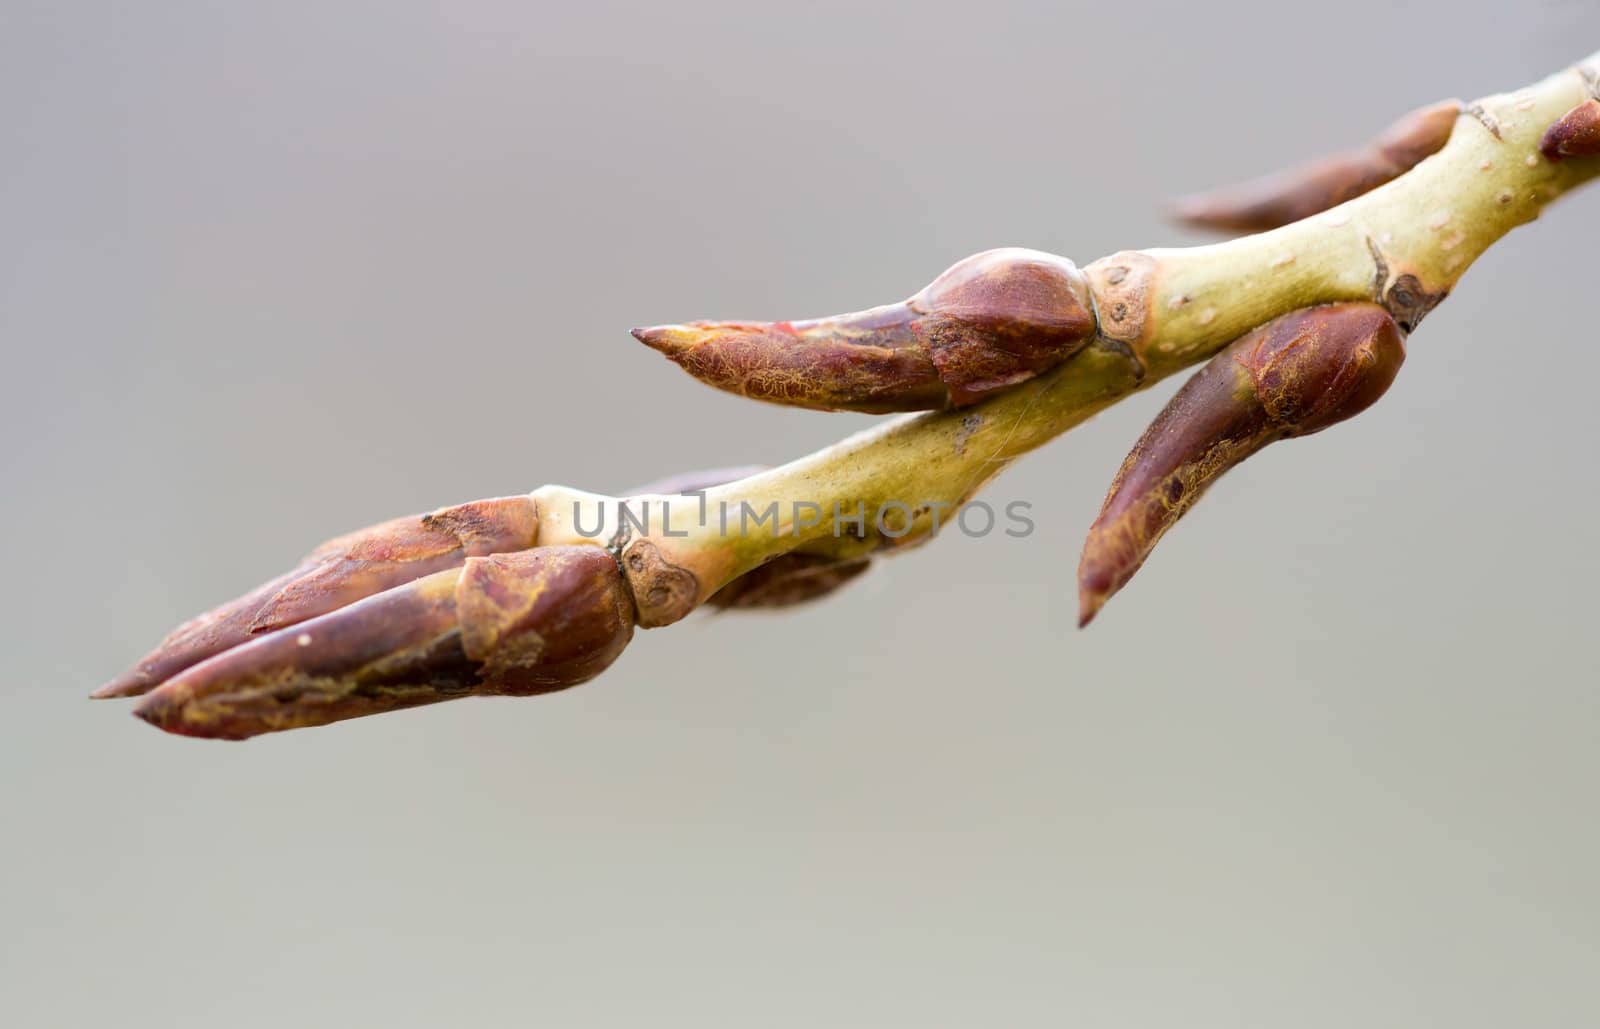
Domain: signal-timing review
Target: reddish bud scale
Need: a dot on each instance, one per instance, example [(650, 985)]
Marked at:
[(858, 362), (1293, 376), (1289, 196), (339, 572), (510, 624), (543, 619), (987, 323), (1576, 134), (372, 560)]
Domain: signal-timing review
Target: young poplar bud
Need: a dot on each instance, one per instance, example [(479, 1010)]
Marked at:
[(987, 323), (1285, 197), (508, 624), (1293, 376), (1575, 134), (339, 572)]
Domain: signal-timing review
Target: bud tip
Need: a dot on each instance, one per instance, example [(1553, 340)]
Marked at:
[(160, 710), (1089, 604), (128, 684), (667, 339)]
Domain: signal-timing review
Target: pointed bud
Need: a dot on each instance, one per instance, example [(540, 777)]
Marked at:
[(508, 624), (989, 322), (339, 572), (1285, 197), (1296, 375), (866, 362), (1576, 134)]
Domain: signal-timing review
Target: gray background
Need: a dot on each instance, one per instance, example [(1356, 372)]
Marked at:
[(270, 272)]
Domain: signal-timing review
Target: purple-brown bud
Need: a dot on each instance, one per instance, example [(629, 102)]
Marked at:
[(1285, 197), (1293, 376), (507, 624), (338, 573), (989, 322), (1576, 134)]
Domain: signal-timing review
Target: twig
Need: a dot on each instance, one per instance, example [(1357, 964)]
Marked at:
[(526, 594), (1404, 245)]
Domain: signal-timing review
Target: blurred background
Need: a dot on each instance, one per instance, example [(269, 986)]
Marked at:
[(272, 272)]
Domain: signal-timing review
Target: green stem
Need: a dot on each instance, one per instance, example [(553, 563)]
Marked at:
[(1405, 244)]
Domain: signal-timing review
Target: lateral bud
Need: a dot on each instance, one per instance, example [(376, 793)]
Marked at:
[(1575, 134), (1288, 196), (989, 322), (1293, 376)]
